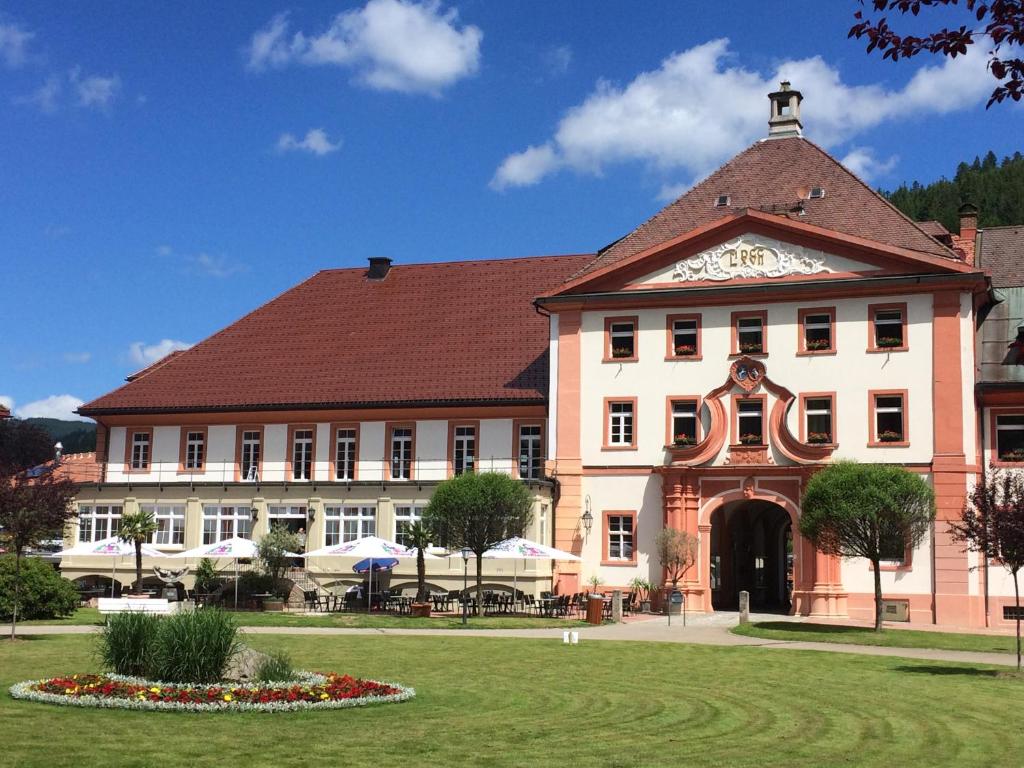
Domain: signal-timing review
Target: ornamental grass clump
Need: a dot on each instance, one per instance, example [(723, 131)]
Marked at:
[(275, 667), (194, 646), (126, 642)]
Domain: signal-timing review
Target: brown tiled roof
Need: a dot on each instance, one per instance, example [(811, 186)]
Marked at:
[(456, 332), (934, 228), (4, 412), (1001, 252), (79, 468), (775, 175)]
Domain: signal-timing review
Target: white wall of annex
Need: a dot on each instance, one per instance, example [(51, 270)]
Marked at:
[(640, 493)]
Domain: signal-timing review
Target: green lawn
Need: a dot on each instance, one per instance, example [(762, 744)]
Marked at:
[(508, 702), (896, 638), (273, 619)]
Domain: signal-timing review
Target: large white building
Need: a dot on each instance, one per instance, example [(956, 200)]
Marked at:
[(694, 373)]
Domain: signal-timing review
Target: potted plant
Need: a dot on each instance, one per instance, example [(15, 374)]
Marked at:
[(819, 438), (889, 436), (137, 528), (751, 347), (815, 345), (677, 552), (682, 441), (750, 439), (888, 341), (622, 352), (274, 558), (418, 536), (642, 587), (594, 582), (1014, 455), (685, 350)]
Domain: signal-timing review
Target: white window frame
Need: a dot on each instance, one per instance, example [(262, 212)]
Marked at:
[(749, 321), (809, 412), (810, 324), (406, 515), (621, 421), (531, 461), (142, 450), (879, 321), (617, 330), (249, 460), (195, 450), (683, 329), (463, 448), (89, 514), (880, 409), (685, 410), (749, 415), (622, 537), (542, 525), (344, 523), (227, 521), (170, 520), (401, 453), (1007, 428), (345, 453), (302, 454)]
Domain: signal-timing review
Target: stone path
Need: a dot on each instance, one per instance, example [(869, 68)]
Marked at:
[(700, 630)]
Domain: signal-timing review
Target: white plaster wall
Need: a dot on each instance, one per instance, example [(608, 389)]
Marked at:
[(496, 445), (220, 453), (642, 493), (851, 373), (115, 451), (431, 450), (858, 577), (322, 461), (275, 439), (371, 450)]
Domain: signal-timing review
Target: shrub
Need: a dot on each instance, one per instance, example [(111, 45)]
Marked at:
[(253, 583), (274, 558), (44, 593), (276, 667), (126, 642), (194, 646)]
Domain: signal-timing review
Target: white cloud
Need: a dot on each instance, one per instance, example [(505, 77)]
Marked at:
[(215, 266), (45, 98), (147, 354), (77, 357), (52, 407), (558, 59), (393, 45), (7, 402), (14, 42), (862, 161), (701, 106), (94, 90), (315, 142)]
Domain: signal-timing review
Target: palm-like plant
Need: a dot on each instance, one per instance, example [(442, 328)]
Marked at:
[(418, 536), (137, 527)]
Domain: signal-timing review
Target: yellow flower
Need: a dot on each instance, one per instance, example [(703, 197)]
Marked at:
[(154, 689), (324, 696), (228, 697)]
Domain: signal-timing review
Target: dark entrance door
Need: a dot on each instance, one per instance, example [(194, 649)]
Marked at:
[(751, 549)]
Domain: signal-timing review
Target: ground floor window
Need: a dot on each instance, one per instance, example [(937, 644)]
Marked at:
[(1010, 437), (405, 516), (225, 522), (291, 517), (98, 522), (343, 524), (170, 523), (620, 530)]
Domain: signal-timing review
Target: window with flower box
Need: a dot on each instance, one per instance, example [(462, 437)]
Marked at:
[(1010, 437), (170, 524), (888, 327), (98, 522), (225, 522), (818, 426), (750, 421), (620, 339), (749, 333), (683, 337), (685, 424), (817, 332), (888, 418)]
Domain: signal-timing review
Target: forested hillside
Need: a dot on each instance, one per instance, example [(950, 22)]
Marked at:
[(75, 436), (996, 187)]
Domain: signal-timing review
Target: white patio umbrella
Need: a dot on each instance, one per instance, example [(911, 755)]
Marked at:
[(518, 548), (235, 548), (111, 546), (368, 548)]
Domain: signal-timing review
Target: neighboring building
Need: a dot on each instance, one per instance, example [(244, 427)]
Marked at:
[(5, 412), (694, 373)]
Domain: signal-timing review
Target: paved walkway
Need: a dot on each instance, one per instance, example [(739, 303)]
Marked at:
[(700, 630)]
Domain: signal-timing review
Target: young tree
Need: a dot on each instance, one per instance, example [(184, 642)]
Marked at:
[(992, 524), (854, 510), (136, 528), (476, 511), (677, 552), (276, 551), (419, 536), (32, 509), (1003, 24)]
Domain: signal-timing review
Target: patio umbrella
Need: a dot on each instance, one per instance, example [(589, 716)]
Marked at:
[(235, 548), (367, 565), (518, 548), (371, 548), (111, 546)]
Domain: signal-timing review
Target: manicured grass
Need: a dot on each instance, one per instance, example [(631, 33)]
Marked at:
[(386, 621), (510, 702), (895, 638)]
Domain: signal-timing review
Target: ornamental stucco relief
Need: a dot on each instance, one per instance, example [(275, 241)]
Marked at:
[(745, 259)]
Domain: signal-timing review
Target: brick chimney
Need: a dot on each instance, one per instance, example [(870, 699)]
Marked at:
[(379, 267), (964, 242), (785, 114)]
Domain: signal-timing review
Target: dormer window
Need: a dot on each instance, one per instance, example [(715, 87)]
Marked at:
[(722, 201), (816, 193)]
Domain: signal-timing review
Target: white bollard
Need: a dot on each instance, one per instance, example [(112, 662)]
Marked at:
[(575, 638), (565, 637)]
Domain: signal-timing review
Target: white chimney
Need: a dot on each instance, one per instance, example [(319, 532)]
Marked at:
[(785, 114)]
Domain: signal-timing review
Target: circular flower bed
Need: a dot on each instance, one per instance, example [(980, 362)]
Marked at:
[(308, 691)]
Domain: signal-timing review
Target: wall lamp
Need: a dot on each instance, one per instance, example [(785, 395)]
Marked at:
[(311, 512), (588, 516)]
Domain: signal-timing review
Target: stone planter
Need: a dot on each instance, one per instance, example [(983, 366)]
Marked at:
[(645, 606), (420, 610)]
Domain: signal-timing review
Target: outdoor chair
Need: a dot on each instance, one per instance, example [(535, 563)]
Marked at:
[(352, 601), (311, 600)]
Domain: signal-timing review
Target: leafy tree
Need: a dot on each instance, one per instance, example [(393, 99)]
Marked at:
[(31, 509), (44, 593), (273, 551), (476, 511), (23, 445), (855, 510), (418, 536), (1003, 24), (992, 524), (137, 528), (207, 579), (677, 552)]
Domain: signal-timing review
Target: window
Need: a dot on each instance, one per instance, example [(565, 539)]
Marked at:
[(291, 517), (542, 524), (463, 448), (96, 523), (816, 330), (1013, 613), (749, 333), (345, 456), (343, 524), (1010, 437), (892, 547), (620, 530), (750, 421), (620, 339), (250, 451), (170, 524), (889, 418), (195, 450), (139, 445), (816, 193), (619, 424), (721, 201), (529, 450), (684, 337), (684, 431), (302, 453), (888, 327), (405, 516), (401, 453), (220, 523), (818, 426)]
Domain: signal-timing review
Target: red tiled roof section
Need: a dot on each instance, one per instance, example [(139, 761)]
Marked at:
[(775, 175), (1001, 253), (4, 412), (427, 333), (79, 468)]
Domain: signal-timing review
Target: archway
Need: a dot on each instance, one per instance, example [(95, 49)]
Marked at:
[(751, 549)]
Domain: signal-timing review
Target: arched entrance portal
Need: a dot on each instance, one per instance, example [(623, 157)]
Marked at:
[(752, 550)]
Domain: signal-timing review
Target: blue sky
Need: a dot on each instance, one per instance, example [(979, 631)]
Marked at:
[(167, 167)]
